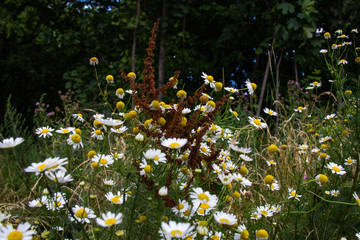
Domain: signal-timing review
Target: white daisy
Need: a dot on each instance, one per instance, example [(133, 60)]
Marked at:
[(270, 112), (225, 179), (78, 117), (349, 161), (208, 79), (335, 193), (66, 130), (225, 218), (102, 160), (274, 186), (75, 141), (331, 116), (249, 87), (293, 194), (335, 168), (109, 219), (300, 109), (97, 134), (156, 155), (240, 149), (119, 130), (120, 93), (174, 143), (3, 216), (244, 233), (181, 207), (175, 230), (118, 198), (39, 202), (56, 202), (146, 169), (49, 164), (257, 122), (232, 90), (110, 122), (82, 214), (108, 182), (264, 211), (59, 176), (245, 158), (11, 142), (22, 232), (44, 131)]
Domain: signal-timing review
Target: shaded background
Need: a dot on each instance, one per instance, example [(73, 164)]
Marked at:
[(46, 45)]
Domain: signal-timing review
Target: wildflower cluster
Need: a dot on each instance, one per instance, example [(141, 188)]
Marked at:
[(175, 170)]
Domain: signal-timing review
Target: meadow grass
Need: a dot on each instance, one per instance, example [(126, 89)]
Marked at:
[(196, 167)]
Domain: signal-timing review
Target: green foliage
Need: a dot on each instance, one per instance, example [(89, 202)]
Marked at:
[(14, 123)]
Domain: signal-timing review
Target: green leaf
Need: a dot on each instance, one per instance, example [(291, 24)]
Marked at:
[(293, 24), (286, 8), (308, 31)]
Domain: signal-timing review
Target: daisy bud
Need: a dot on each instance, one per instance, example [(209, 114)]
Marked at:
[(163, 191)]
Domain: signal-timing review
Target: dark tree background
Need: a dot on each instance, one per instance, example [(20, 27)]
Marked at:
[(46, 45)]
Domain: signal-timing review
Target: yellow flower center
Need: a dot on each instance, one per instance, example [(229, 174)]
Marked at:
[(155, 104), (336, 169), (156, 158), (224, 221), (262, 233), (76, 138), (176, 233), (174, 145), (64, 131), (81, 213), (349, 160), (110, 221), (148, 169), (57, 204), (203, 149), (263, 212), (211, 104), (94, 165), (236, 195), (204, 206), (254, 86), (203, 196), (15, 235), (300, 108), (103, 161), (45, 130), (215, 237), (244, 234), (210, 78), (323, 179), (180, 206), (187, 212), (257, 122), (120, 91), (293, 194), (201, 211), (269, 179), (115, 199), (41, 167), (98, 132)]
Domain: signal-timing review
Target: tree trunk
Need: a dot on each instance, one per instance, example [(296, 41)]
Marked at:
[(263, 86), (296, 68), (133, 49), (277, 90), (266, 76), (162, 53)]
